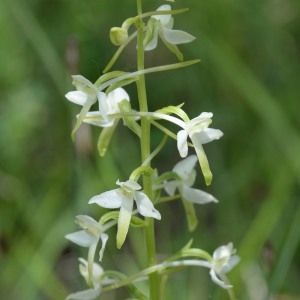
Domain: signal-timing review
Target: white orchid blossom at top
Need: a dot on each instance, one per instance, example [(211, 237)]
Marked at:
[(224, 259), (123, 198), (187, 174), (89, 237), (109, 105), (199, 133), (95, 291), (161, 25)]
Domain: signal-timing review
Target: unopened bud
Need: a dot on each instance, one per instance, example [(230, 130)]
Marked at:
[(118, 35)]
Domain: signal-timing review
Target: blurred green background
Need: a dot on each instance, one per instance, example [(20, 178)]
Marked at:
[(248, 77)]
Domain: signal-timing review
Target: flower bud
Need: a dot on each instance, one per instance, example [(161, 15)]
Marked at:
[(118, 35)]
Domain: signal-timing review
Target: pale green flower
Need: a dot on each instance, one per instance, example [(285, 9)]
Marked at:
[(123, 198), (185, 170), (161, 25), (199, 133), (224, 259), (89, 237)]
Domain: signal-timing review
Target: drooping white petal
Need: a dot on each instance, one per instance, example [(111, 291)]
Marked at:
[(109, 199), (81, 238), (89, 294), (176, 37), (209, 134), (219, 282), (197, 196), (77, 97), (104, 238), (145, 206), (124, 220), (182, 142), (185, 169), (202, 158)]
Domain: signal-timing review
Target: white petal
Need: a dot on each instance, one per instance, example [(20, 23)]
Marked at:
[(81, 238), (219, 282), (104, 238), (91, 118), (129, 185), (164, 19), (233, 261), (83, 269), (209, 134), (89, 294), (170, 187), (84, 85), (152, 44), (145, 206), (114, 97), (182, 143), (185, 169), (197, 196), (103, 105), (110, 199), (87, 222), (176, 36), (77, 97)]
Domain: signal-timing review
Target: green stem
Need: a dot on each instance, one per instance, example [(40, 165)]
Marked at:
[(145, 152)]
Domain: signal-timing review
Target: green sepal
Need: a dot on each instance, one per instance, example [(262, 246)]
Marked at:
[(108, 76), (112, 215), (130, 122), (105, 137), (166, 176), (191, 215), (173, 48), (137, 222), (176, 110), (85, 109), (151, 31), (120, 83)]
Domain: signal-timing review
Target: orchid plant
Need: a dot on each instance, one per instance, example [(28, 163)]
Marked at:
[(145, 188)]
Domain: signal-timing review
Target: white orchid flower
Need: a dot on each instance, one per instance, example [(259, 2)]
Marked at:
[(109, 105), (199, 133), (123, 198), (161, 25), (224, 259), (86, 95), (95, 291), (89, 237), (185, 169)]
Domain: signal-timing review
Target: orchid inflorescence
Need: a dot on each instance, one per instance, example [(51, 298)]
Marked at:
[(113, 105)]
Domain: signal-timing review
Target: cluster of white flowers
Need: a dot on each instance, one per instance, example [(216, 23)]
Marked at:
[(111, 108)]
